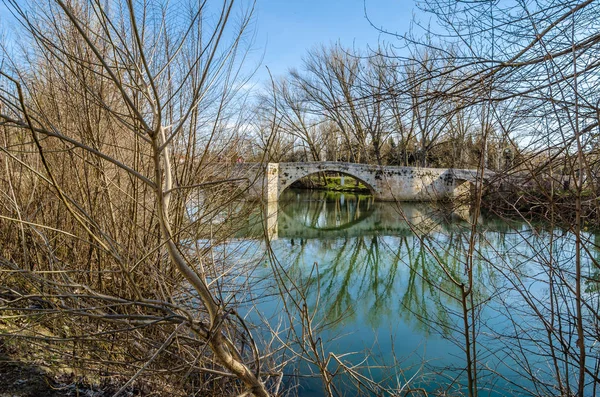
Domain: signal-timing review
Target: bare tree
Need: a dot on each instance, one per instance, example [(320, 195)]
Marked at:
[(525, 76), (294, 120), (110, 120)]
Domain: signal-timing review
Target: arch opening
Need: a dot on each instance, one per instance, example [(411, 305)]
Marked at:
[(341, 181)]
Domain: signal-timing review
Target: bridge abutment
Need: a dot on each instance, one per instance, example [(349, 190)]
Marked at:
[(271, 182)]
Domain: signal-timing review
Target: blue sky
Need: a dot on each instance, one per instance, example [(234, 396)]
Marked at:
[(287, 29)]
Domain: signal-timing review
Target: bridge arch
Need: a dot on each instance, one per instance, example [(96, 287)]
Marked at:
[(292, 172), (290, 183)]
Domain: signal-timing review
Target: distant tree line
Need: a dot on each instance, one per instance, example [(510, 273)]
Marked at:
[(376, 108)]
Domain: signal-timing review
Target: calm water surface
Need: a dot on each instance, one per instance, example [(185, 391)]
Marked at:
[(378, 277)]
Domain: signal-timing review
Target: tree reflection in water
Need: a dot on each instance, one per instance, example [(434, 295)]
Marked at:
[(387, 277), (369, 258)]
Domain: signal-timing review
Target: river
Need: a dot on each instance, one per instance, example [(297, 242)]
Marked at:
[(381, 285)]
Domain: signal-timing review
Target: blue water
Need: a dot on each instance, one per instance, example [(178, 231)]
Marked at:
[(379, 281)]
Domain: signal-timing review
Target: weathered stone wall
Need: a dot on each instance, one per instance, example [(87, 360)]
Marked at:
[(413, 184), (271, 182)]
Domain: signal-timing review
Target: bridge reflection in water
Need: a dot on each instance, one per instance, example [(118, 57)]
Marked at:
[(376, 259), (331, 215)]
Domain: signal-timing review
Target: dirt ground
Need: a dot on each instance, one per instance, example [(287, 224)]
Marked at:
[(20, 379), (24, 380)]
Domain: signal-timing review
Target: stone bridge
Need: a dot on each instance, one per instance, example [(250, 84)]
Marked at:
[(386, 183)]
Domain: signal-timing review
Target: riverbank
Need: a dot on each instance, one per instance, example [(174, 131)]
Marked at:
[(31, 379), (537, 205), (35, 368)]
